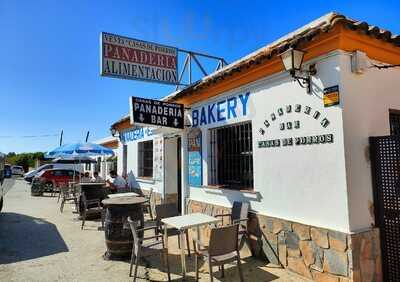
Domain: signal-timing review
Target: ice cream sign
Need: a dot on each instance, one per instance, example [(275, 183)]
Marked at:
[(222, 110)]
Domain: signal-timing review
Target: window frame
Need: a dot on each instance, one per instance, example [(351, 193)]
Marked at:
[(238, 161), (143, 169), (393, 129)]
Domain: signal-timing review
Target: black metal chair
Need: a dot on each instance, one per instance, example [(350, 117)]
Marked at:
[(238, 215), (223, 248), (165, 211), (90, 207), (146, 246)]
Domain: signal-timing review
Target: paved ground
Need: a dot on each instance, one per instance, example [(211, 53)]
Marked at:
[(38, 243)]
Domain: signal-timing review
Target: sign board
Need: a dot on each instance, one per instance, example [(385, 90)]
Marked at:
[(331, 96), (135, 134), (195, 168), (127, 58), (156, 113)]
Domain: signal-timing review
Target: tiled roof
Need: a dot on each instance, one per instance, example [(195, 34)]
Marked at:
[(304, 34)]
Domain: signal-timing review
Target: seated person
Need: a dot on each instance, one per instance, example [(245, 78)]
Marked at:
[(85, 178), (118, 183), (97, 178)]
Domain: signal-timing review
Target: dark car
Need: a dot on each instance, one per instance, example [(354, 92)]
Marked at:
[(51, 178)]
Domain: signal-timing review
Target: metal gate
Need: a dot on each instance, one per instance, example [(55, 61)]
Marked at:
[(385, 165)]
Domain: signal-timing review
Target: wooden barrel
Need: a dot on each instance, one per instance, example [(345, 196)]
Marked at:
[(118, 235)]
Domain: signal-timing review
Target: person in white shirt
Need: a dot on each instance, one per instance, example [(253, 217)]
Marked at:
[(118, 182), (97, 178), (85, 178)]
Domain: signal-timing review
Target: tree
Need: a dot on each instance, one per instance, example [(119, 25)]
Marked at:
[(25, 160)]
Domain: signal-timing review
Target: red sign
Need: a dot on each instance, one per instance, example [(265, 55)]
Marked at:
[(129, 58)]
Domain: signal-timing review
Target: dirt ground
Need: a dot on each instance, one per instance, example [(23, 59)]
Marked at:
[(38, 243)]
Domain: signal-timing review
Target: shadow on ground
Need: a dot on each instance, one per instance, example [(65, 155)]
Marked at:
[(155, 270), (24, 237)]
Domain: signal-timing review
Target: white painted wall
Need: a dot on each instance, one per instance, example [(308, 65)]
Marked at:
[(367, 99), (171, 166), (325, 185), (304, 183), (120, 158), (132, 168)]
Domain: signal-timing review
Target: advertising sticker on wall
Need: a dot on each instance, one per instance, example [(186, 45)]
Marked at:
[(331, 96), (195, 159), (158, 158)]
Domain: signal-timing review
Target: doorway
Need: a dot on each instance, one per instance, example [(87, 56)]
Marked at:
[(179, 173), (173, 176)]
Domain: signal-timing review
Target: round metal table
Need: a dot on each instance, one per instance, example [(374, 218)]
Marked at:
[(118, 235)]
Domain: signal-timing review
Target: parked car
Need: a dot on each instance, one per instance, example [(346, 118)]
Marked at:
[(17, 170), (7, 180), (31, 174), (51, 178), (7, 171)]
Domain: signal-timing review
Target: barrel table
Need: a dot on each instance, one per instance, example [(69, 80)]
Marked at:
[(118, 235)]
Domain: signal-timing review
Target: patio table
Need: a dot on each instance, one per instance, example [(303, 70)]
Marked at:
[(127, 194), (183, 222)]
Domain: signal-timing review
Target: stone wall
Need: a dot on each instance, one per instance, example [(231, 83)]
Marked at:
[(171, 198), (315, 253)]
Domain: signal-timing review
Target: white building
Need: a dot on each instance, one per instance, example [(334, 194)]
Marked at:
[(300, 159), (107, 163)]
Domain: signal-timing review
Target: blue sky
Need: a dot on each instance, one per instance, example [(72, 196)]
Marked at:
[(49, 68)]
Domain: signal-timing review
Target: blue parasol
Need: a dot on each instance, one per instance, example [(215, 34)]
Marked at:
[(86, 149)]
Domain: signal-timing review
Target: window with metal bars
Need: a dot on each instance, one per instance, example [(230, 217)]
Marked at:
[(145, 158), (231, 157), (394, 120)]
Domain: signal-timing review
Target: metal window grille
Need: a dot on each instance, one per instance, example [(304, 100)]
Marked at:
[(231, 156), (145, 159), (394, 119)]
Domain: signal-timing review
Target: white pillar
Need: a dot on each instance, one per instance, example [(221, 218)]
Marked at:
[(184, 169)]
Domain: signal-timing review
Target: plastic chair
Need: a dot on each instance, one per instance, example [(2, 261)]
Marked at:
[(67, 194), (149, 205), (145, 247), (223, 248), (238, 215)]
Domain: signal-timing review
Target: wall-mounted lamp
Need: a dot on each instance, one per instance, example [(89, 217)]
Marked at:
[(292, 60), (113, 131)]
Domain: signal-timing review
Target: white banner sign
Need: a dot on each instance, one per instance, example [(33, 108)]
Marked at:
[(128, 58)]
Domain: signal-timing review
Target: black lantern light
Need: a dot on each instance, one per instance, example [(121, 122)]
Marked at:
[(292, 60), (113, 131)]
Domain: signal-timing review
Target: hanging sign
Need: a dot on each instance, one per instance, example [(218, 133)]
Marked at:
[(156, 113), (331, 96), (195, 168), (128, 58)]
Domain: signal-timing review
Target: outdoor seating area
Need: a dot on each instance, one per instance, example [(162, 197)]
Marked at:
[(142, 238)]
